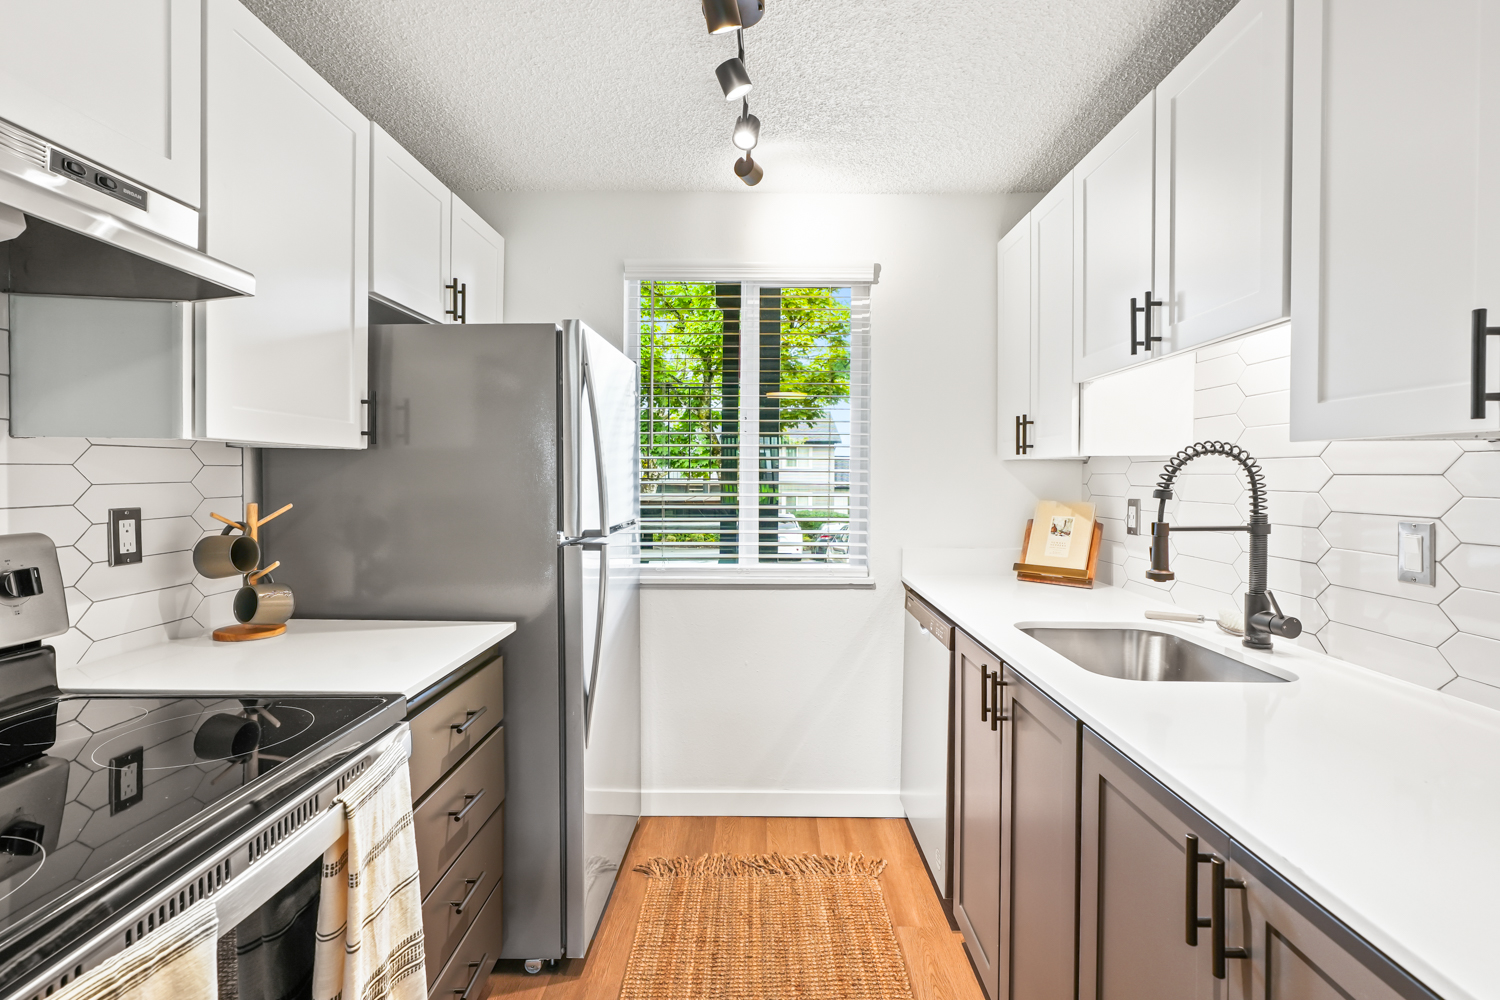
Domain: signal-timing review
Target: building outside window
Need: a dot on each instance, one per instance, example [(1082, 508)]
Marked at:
[(754, 426)]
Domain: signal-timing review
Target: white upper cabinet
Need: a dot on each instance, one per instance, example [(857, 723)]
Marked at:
[(287, 173), (1014, 342), (478, 266), (1395, 215), (1222, 156), (410, 230), (1054, 394), (1113, 188), (116, 81)]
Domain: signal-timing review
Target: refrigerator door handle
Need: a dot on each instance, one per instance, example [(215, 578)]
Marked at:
[(599, 472), (592, 691)]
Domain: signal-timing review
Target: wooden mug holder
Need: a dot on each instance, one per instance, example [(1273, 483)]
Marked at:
[(251, 527), (1056, 575)]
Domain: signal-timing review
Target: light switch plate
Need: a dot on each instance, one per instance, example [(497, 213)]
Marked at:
[(1415, 552), (124, 536), (1133, 517)]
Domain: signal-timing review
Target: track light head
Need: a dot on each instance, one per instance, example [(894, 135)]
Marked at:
[(723, 16), (748, 170), (746, 131), (751, 11), (733, 79)]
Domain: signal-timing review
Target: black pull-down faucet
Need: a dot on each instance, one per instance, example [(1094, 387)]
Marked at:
[(1263, 617)]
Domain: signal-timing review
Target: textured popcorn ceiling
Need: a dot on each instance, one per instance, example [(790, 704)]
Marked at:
[(853, 95)]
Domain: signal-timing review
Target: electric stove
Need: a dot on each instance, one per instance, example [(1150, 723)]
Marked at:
[(119, 812)]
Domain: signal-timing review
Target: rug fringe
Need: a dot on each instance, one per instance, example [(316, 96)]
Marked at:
[(762, 864)]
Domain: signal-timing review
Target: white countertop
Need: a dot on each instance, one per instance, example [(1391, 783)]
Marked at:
[(313, 657), (1378, 798)]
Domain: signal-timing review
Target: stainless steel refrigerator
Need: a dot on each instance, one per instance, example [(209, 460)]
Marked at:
[(499, 485)]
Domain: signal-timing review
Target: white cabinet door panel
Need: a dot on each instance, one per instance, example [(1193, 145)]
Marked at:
[(410, 231), (1054, 394), (287, 184), (1113, 188), (1395, 214), (478, 265), (116, 81), (1014, 353), (1222, 156)]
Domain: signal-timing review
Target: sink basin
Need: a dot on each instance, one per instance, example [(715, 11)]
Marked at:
[(1136, 654)]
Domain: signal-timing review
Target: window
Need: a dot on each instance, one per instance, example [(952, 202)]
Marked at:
[(754, 427)]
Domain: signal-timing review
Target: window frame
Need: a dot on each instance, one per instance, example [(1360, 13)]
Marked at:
[(752, 278)]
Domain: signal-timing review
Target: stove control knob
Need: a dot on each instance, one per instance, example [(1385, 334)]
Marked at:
[(21, 582)]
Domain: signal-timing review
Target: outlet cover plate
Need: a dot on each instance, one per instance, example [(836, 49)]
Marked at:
[(127, 780), (1133, 517), (124, 536)]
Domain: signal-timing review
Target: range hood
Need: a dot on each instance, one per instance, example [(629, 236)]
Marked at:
[(69, 227)]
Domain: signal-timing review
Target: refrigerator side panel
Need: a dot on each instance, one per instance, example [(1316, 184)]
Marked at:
[(452, 514)]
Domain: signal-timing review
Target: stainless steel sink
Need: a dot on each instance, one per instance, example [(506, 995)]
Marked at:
[(1136, 654)]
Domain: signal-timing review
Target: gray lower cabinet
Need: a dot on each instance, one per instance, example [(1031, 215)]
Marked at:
[(1038, 844), (1132, 885), (976, 879)]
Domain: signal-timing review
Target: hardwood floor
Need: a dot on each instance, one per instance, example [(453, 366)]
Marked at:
[(935, 959)]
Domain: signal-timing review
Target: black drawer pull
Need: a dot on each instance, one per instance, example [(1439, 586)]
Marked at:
[(984, 693), (1195, 858), (478, 968), (470, 718), (1220, 885), (469, 803), (1478, 395), (473, 884)]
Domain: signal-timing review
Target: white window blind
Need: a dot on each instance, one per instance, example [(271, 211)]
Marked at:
[(755, 429)]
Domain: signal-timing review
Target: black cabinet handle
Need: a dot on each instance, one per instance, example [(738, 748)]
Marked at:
[(463, 305), (1220, 886), (984, 693), (470, 718), (1477, 395), (478, 968), (452, 287), (469, 803), (1136, 343), (1023, 444), (1195, 858), (473, 884), (997, 716)]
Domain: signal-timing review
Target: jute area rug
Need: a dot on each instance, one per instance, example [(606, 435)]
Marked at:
[(767, 927)]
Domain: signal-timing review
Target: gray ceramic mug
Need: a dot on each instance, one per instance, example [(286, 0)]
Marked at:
[(264, 603), (223, 555)]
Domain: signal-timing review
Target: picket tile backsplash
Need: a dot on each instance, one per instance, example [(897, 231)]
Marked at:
[(1334, 508), (64, 488)]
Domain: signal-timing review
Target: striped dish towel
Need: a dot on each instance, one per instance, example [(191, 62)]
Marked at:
[(177, 962), (370, 912)]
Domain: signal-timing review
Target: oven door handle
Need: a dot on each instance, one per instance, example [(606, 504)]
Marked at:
[(251, 888)]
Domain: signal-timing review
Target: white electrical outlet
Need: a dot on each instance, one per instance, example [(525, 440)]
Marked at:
[(124, 536)]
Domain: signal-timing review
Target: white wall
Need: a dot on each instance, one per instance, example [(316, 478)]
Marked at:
[(778, 701), (1333, 509)]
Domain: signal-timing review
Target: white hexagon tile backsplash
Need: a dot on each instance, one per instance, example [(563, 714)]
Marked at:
[(64, 488), (1334, 508)]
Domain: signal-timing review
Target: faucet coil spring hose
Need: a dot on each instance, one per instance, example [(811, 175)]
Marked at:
[(1258, 518)]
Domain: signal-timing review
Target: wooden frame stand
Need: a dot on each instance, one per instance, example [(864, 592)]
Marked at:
[(1061, 577)]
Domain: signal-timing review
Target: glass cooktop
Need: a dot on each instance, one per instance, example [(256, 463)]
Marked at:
[(88, 783)]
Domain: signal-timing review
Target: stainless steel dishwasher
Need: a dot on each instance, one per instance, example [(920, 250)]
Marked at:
[(926, 739)]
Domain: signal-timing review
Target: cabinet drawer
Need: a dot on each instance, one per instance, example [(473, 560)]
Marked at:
[(478, 701), (478, 785), (476, 872), (465, 973)]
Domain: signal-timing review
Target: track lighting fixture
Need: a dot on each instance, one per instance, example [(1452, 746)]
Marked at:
[(733, 79), (746, 129), (723, 16), (748, 170)]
